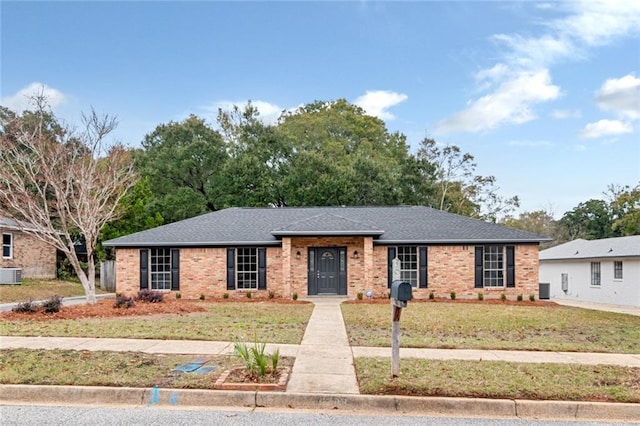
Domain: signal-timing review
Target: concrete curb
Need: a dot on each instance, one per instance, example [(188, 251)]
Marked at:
[(458, 407)]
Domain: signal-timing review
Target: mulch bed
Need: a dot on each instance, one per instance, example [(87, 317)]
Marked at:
[(104, 309)]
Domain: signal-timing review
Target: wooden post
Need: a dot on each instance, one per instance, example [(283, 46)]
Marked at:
[(395, 338)]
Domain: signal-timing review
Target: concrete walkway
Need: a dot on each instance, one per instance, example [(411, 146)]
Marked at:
[(620, 309), (325, 362)]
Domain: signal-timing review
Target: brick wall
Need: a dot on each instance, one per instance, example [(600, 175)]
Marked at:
[(450, 268), (36, 258)]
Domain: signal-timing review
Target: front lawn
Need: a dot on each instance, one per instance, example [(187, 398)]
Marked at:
[(105, 368), (495, 379), (270, 322), (35, 289), (494, 326)]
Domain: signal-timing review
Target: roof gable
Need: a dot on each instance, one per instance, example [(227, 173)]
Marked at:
[(327, 224)]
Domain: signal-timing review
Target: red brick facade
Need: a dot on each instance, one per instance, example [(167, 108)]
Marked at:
[(36, 258), (203, 271)]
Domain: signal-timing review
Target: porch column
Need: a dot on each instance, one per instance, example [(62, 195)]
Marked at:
[(368, 263), (286, 266)]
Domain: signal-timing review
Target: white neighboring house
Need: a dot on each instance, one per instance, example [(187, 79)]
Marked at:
[(604, 271)]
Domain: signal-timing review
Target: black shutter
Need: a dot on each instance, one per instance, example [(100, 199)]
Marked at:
[(262, 268), (422, 275), (231, 269), (391, 254), (144, 269), (175, 269), (478, 267), (511, 269)]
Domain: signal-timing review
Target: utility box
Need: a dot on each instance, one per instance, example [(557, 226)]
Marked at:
[(544, 291), (10, 276), (401, 291)]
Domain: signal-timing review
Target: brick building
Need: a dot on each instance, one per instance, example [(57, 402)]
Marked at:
[(22, 250), (328, 250)]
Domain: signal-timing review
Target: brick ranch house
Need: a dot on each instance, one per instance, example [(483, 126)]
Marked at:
[(328, 250), (22, 250)]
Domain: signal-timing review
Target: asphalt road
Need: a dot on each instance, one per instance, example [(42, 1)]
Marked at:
[(97, 416)]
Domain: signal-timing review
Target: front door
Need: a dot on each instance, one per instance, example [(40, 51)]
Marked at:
[(327, 274)]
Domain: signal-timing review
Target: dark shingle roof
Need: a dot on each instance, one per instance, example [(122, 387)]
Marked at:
[(263, 226)]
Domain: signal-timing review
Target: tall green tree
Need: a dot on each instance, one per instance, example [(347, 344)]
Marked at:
[(341, 156), (539, 222), (590, 220), (625, 209), (183, 162), (258, 161)]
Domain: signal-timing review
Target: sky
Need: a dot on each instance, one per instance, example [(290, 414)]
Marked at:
[(545, 95)]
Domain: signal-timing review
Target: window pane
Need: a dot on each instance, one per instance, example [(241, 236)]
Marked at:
[(247, 268), (408, 257), (493, 266), (160, 268), (595, 273)]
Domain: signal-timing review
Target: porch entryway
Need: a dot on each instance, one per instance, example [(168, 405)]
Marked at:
[(327, 274)]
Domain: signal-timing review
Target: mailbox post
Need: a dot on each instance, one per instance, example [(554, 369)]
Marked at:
[(401, 293)]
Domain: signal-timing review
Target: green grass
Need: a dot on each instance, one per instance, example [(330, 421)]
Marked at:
[(104, 368), (262, 322), (41, 290), (494, 326), (493, 379)]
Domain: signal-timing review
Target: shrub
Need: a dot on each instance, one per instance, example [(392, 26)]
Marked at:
[(225, 296), (519, 298), (150, 296), (453, 295), (294, 296), (123, 301), (432, 295), (481, 296), (178, 295), (248, 295), (503, 297), (359, 295), (27, 307), (532, 297), (201, 296), (52, 304), (271, 294), (256, 360)]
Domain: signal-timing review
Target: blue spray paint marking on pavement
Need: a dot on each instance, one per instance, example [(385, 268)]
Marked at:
[(155, 395), (173, 398)]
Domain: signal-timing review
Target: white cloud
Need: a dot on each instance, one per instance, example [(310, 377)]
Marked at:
[(267, 112), (562, 114), (605, 128), (597, 23), (510, 103), (621, 96), (23, 99), (585, 24), (377, 103)]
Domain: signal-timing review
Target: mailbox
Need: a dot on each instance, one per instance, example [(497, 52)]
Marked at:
[(401, 291)]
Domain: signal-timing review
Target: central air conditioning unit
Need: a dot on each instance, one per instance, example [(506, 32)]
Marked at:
[(10, 275)]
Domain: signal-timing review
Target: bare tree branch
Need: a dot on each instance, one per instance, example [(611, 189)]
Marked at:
[(63, 185)]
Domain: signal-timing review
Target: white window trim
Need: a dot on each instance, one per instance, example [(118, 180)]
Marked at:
[(10, 246), (158, 273), (253, 255)]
